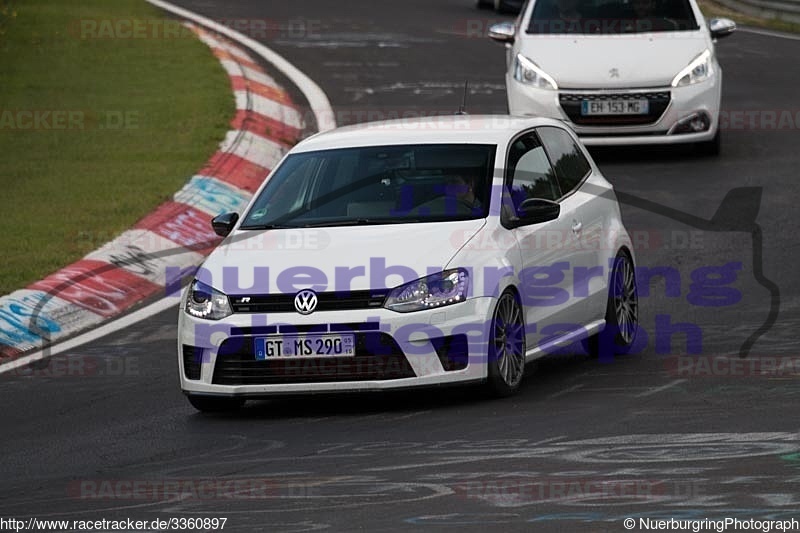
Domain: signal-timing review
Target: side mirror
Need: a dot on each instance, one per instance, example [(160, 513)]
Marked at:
[(536, 211), (502, 32), (223, 224), (720, 28)]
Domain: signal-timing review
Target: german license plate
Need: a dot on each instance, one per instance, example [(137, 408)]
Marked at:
[(302, 346), (615, 107)]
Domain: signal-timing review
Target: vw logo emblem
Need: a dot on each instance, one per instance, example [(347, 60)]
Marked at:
[(305, 302), (614, 73)]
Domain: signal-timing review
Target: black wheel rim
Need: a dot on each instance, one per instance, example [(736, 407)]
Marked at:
[(508, 340), (626, 301)]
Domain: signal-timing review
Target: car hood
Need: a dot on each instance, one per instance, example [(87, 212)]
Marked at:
[(640, 60), (337, 258)]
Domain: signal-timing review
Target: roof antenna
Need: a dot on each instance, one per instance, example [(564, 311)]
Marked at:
[(463, 109)]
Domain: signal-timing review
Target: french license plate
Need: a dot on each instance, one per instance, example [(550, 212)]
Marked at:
[(301, 346), (615, 107)]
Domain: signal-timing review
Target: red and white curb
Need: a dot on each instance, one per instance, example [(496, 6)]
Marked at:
[(152, 257)]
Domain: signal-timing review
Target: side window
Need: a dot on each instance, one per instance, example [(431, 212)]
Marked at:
[(529, 172), (570, 164)]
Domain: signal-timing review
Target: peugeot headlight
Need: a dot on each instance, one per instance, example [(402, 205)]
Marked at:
[(698, 70), (206, 302), (529, 73), (438, 290)]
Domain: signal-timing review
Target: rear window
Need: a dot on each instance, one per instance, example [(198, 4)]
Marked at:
[(611, 16)]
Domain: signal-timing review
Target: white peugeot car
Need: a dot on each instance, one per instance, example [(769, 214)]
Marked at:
[(402, 254), (618, 71)]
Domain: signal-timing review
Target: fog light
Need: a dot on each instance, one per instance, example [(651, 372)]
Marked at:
[(698, 124), (694, 123)]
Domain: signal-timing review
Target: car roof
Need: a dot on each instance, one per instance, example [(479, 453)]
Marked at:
[(444, 129)]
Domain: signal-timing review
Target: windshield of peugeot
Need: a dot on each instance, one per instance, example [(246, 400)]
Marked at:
[(376, 185), (611, 16)]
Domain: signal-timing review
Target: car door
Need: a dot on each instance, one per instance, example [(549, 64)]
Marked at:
[(547, 251), (585, 203)]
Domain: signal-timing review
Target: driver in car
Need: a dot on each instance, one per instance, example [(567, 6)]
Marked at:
[(462, 187)]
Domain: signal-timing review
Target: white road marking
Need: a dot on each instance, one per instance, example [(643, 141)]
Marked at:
[(768, 33), (565, 391), (656, 390), (92, 335), (522, 454)]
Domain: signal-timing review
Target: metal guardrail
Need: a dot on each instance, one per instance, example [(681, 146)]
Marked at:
[(787, 10)]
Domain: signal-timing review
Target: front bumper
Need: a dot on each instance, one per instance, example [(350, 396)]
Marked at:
[(701, 98), (394, 351)]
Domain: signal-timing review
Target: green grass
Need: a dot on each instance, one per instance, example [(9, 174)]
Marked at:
[(711, 9), (66, 191)]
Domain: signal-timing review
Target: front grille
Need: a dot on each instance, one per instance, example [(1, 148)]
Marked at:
[(658, 102), (326, 301), (378, 358), (192, 362)]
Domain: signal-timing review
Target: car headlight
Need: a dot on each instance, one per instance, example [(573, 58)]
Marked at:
[(529, 73), (699, 69), (206, 302), (437, 290)]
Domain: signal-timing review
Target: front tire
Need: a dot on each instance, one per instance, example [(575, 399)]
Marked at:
[(216, 404), (622, 312), (506, 351)]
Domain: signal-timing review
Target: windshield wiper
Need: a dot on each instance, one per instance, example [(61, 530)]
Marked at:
[(269, 226), (362, 222)]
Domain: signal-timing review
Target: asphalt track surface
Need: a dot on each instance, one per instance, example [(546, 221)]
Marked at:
[(584, 445)]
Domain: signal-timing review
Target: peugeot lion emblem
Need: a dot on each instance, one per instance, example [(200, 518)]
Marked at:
[(614, 73), (305, 302)]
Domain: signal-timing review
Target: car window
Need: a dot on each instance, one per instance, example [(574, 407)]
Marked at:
[(570, 164), (376, 185), (529, 172), (611, 16)]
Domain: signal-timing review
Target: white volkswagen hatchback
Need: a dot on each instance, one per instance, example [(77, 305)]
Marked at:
[(618, 71), (402, 254)]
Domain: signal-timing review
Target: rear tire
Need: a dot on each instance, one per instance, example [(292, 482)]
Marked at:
[(216, 404), (622, 313), (506, 350)]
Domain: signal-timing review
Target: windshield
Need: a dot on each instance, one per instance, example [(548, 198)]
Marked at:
[(376, 185), (611, 16)]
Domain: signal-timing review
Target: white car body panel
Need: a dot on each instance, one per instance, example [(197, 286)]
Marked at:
[(643, 60), (360, 247), (495, 256)]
